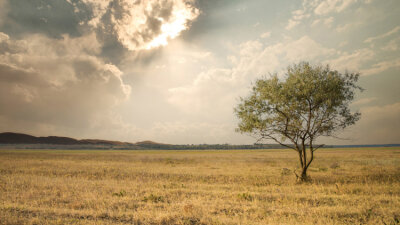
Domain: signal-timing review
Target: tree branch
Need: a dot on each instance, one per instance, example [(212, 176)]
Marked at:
[(279, 142), (319, 146)]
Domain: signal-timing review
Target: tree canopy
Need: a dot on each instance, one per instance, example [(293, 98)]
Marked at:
[(309, 102)]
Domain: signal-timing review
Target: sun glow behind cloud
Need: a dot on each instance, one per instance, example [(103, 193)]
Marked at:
[(142, 24), (134, 32), (174, 27)]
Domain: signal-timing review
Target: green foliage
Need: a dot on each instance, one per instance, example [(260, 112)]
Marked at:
[(311, 101)]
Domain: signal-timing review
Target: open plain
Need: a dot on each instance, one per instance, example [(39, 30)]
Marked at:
[(349, 186)]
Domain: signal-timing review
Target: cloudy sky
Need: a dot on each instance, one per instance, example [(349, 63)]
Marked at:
[(173, 70)]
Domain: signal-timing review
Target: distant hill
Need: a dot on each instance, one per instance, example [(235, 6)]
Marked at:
[(18, 138), (25, 141), (15, 138), (54, 142)]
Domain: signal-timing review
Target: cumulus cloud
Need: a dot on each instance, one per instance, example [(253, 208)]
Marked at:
[(265, 35), (59, 83), (291, 24), (319, 9), (214, 92), (328, 22), (365, 60), (297, 17), (252, 61), (135, 25), (56, 73), (329, 6), (142, 24), (352, 61), (198, 99)]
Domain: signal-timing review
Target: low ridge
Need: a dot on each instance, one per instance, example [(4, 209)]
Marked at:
[(19, 138)]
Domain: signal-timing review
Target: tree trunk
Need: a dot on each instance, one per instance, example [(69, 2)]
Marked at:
[(303, 177), (304, 163)]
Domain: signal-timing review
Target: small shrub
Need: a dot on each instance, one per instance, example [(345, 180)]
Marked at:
[(285, 172), (122, 193), (246, 196), (191, 221), (153, 198)]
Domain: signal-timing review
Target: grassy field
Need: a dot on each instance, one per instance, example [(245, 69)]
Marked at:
[(349, 186)]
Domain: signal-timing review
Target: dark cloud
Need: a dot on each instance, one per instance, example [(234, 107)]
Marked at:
[(50, 17)]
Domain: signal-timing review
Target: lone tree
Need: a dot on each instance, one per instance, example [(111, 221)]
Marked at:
[(310, 102)]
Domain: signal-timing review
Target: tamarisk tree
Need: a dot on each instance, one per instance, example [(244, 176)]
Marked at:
[(309, 102)]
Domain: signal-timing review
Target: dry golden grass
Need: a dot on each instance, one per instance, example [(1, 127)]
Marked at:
[(350, 186)]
